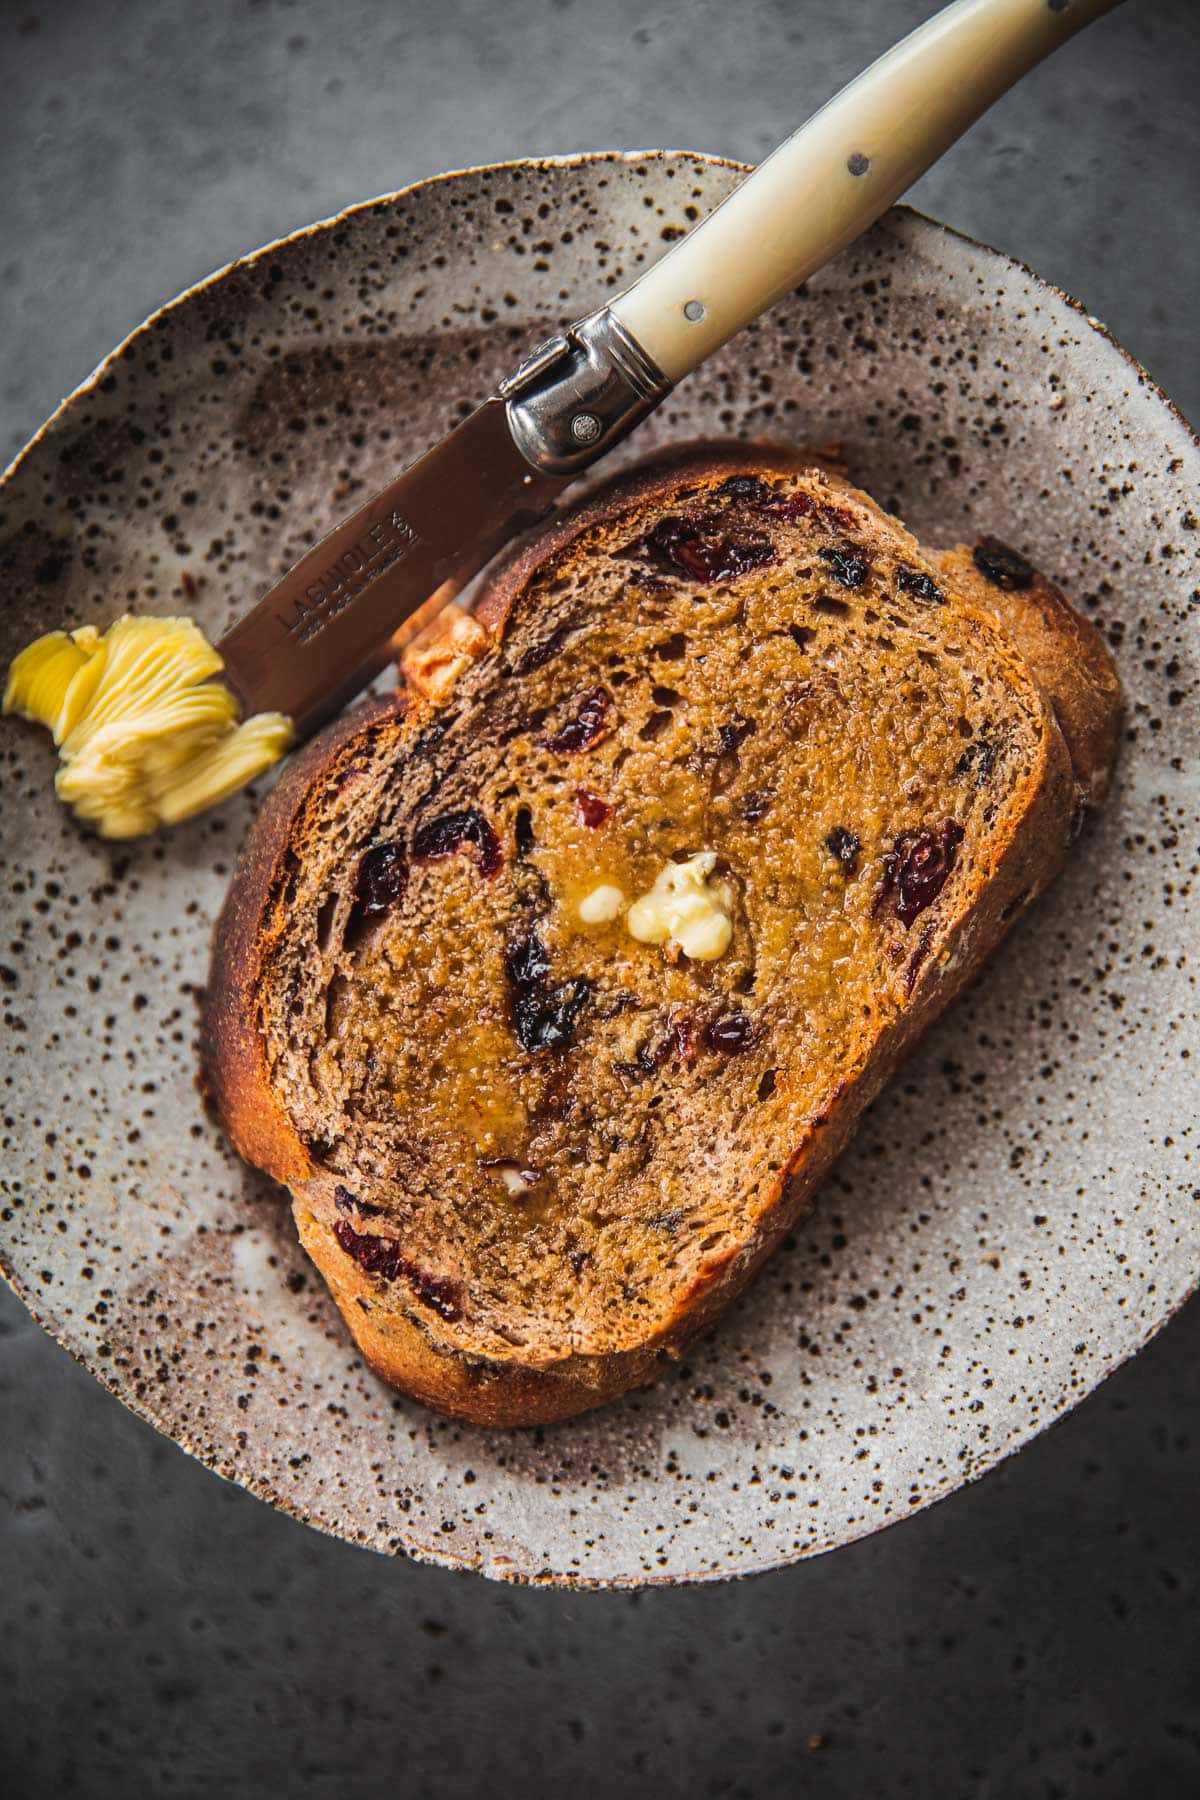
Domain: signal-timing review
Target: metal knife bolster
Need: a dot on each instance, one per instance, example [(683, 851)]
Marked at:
[(330, 624), (579, 393)]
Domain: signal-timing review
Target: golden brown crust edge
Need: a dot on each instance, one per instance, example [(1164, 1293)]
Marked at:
[(1070, 666), (1067, 657), (234, 1078)]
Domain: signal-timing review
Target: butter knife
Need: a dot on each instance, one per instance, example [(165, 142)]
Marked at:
[(326, 629)]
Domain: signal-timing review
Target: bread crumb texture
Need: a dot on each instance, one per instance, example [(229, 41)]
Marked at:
[(750, 700)]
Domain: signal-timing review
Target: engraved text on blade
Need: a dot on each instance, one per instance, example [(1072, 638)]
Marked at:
[(347, 576)]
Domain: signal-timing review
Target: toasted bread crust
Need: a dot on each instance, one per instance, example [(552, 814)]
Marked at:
[(1068, 659), (403, 1342), (234, 1077)]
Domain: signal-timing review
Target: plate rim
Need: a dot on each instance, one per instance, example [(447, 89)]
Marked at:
[(433, 1553)]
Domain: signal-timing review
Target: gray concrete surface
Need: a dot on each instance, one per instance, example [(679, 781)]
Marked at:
[(162, 1634)]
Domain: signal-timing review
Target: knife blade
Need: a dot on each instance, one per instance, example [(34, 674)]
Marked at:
[(324, 630)]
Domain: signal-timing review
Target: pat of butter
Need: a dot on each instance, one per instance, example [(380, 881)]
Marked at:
[(517, 1181), (602, 905), (686, 907), (145, 736)]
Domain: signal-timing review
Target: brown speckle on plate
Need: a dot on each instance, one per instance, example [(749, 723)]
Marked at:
[(1020, 1211)]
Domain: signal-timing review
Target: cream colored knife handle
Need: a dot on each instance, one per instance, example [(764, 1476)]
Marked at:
[(829, 180)]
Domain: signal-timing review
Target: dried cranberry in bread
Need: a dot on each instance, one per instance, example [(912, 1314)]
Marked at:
[(531, 1153)]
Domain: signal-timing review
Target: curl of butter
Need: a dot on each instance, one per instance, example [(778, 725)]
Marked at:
[(602, 905), (145, 736), (687, 908)]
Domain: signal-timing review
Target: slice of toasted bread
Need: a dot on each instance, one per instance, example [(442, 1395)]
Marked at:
[(532, 1155)]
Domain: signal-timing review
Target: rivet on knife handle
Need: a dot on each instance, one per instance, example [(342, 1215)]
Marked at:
[(327, 626), (837, 174)]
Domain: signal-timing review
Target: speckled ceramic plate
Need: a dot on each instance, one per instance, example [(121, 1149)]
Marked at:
[(1018, 1214)]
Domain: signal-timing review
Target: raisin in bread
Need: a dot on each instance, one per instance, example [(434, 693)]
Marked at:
[(531, 1152)]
